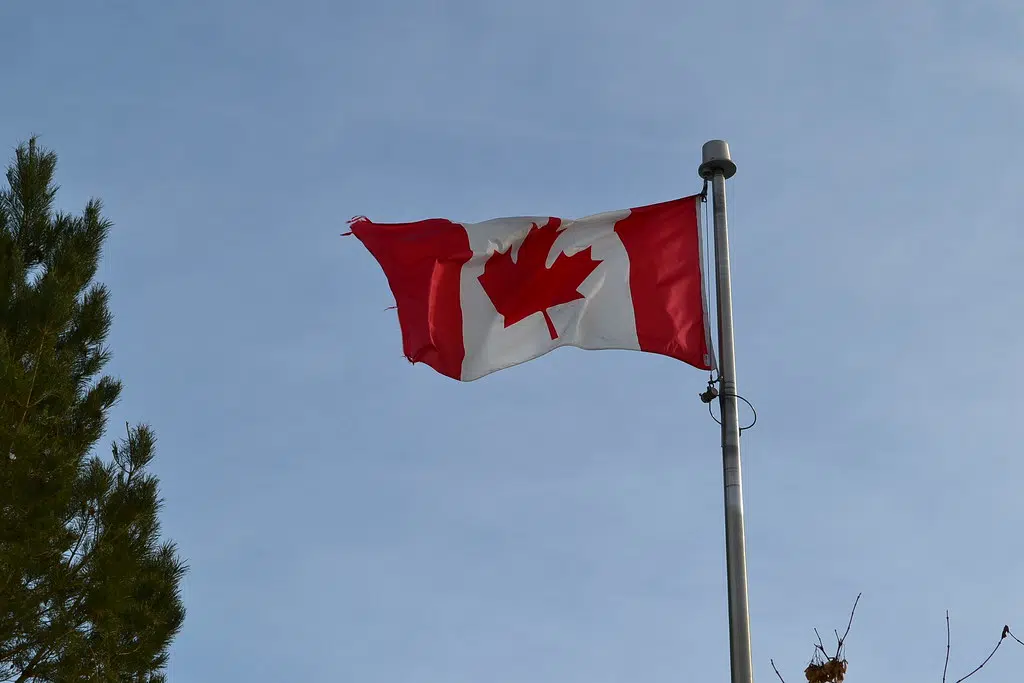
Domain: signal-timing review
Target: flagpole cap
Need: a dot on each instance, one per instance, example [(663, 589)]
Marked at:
[(716, 159)]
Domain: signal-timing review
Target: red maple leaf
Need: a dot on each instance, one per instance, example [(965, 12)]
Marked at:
[(520, 288)]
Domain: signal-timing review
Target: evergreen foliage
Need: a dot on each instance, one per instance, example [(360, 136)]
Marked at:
[(88, 590)]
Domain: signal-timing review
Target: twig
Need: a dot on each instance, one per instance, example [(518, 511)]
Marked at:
[(945, 667), (850, 622), (1001, 638), (1007, 628), (777, 671), (821, 645)]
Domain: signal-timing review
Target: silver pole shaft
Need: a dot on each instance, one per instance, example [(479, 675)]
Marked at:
[(718, 166)]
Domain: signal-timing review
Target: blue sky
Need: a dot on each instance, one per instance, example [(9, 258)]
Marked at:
[(349, 517)]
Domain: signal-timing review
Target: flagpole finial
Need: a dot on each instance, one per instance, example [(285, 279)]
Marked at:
[(716, 158)]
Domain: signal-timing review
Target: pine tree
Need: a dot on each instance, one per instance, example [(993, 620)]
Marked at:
[(88, 591)]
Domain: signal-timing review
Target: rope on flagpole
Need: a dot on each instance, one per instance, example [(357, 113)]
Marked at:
[(712, 393), (706, 237)]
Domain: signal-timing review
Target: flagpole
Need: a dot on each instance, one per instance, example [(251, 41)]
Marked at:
[(717, 166)]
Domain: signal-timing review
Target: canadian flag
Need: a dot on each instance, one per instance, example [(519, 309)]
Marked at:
[(474, 298)]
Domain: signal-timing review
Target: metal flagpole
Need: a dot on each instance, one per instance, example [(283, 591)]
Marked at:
[(717, 166)]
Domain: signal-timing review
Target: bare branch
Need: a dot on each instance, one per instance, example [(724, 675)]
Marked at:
[(777, 671), (821, 645), (850, 622), (1007, 631), (1001, 639), (945, 667)]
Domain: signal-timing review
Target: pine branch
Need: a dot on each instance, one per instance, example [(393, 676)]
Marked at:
[(30, 670), (81, 538), (10, 654), (31, 387), (55, 635)]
